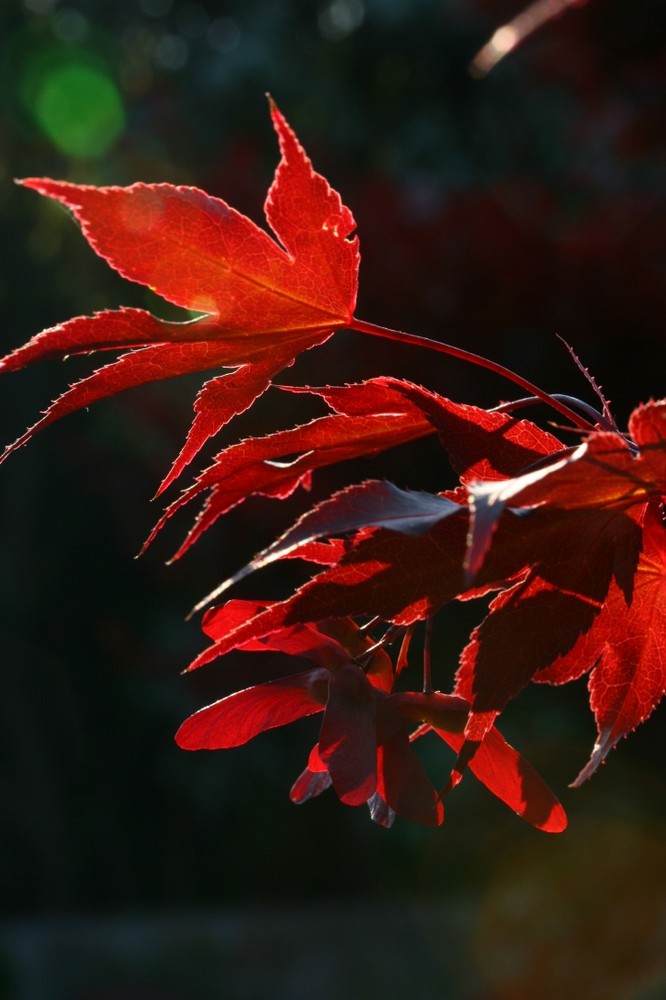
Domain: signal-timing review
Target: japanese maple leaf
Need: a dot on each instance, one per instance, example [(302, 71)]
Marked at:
[(262, 300), (367, 418), (566, 557), (364, 748), (624, 648), (592, 598), (408, 571)]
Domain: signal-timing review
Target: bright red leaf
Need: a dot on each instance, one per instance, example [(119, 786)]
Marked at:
[(263, 300), (367, 418), (569, 539)]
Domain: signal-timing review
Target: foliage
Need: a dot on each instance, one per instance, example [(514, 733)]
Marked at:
[(567, 538)]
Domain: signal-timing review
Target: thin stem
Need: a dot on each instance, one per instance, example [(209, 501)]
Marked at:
[(476, 359), (391, 634), (427, 655), (516, 404)]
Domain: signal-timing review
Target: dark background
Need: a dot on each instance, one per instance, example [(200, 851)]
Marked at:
[(496, 214)]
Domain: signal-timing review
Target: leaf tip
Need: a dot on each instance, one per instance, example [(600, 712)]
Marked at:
[(607, 740), (557, 822), (275, 112), (36, 183)]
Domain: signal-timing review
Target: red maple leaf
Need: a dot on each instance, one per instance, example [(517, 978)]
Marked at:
[(404, 574), (565, 558), (262, 300), (592, 597), (368, 418), (364, 749), (624, 648), (569, 540)]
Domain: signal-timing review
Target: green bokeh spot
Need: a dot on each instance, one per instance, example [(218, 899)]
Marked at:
[(79, 108)]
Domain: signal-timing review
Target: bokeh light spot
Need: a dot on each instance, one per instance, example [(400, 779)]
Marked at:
[(340, 18), (223, 35), (78, 107), (193, 20), (172, 52), (156, 8), (39, 6), (69, 25)]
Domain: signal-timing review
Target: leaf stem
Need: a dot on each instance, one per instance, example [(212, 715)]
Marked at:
[(599, 418), (427, 655), (476, 359)]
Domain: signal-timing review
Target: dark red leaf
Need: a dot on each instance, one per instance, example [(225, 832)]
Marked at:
[(495, 763), (388, 574), (576, 596), (371, 504), (403, 784), (348, 739), (482, 444), (624, 648), (577, 556), (606, 471), (330, 644)]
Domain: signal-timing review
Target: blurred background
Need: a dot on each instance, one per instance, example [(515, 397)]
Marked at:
[(498, 214)]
